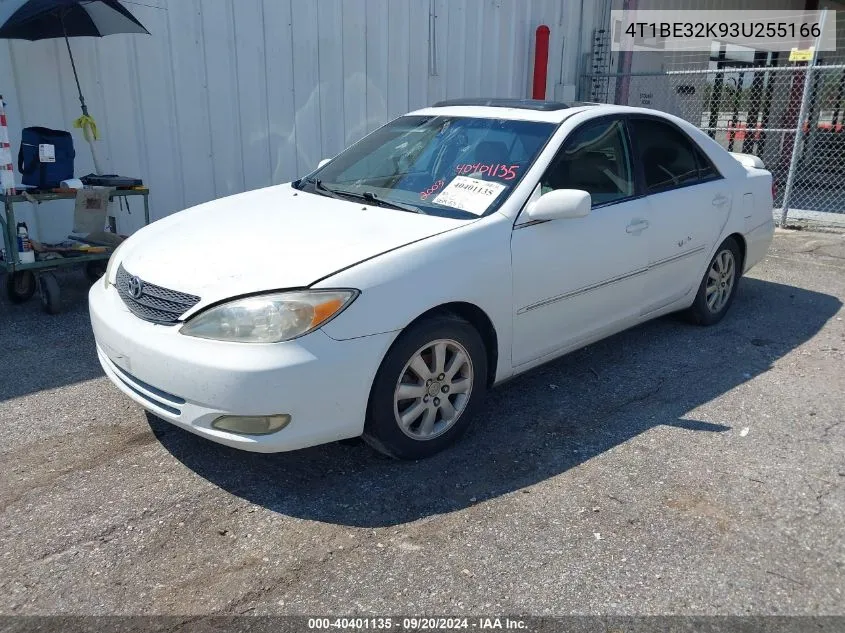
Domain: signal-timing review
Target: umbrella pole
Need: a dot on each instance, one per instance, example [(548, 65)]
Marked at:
[(81, 102), (75, 76)]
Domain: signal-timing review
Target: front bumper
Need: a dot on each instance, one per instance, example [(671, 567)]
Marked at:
[(322, 383)]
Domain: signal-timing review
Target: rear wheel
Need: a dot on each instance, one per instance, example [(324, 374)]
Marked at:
[(717, 289), (429, 384)]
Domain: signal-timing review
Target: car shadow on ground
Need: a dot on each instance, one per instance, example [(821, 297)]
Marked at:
[(534, 427)]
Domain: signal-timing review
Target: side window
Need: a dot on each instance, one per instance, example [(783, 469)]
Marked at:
[(706, 169), (668, 157), (595, 159)]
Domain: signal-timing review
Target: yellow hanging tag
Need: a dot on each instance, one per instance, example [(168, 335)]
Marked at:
[(88, 126)]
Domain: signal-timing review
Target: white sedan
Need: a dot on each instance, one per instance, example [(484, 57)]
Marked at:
[(455, 247)]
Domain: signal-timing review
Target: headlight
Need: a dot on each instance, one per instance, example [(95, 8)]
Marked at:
[(110, 266), (269, 318)]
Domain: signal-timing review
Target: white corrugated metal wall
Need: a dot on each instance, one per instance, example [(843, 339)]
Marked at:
[(230, 95)]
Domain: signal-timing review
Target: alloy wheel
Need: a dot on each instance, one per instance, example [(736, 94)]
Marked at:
[(433, 389), (720, 280)]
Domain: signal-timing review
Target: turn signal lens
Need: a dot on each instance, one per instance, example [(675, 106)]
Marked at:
[(324, 311), (252, 425)]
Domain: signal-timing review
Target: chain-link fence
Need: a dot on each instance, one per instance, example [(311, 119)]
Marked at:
[(793, 118)]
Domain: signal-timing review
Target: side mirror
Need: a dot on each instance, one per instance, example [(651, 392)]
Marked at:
[(325, 161), (560, 204)]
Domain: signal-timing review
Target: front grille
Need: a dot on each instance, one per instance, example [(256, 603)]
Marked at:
[(156, 304)]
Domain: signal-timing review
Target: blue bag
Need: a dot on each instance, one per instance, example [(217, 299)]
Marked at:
[(46, 157)]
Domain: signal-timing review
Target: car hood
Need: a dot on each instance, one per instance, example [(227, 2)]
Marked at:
[(268, 239)]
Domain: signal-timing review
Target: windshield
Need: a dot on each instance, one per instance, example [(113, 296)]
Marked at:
[(438, 165)]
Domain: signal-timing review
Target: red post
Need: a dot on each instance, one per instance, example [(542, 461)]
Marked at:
[(541, 62)]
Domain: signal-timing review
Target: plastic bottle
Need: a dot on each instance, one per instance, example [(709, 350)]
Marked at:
[(25, 253)]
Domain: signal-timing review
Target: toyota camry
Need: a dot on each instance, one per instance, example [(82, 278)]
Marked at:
[(451, 249)]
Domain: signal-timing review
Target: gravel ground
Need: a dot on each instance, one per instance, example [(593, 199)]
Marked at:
[(668, 470)]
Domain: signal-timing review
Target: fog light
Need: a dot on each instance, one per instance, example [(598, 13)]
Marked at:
[(252, 425)]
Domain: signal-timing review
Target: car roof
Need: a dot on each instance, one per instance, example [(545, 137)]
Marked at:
[(525, 109), (528, 104)]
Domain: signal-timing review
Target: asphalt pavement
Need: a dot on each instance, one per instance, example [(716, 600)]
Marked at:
[(670, 469)]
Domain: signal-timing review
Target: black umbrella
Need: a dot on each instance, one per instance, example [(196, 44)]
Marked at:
[(50, 19)]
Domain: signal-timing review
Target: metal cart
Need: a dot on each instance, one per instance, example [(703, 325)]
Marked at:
[(23, 279)]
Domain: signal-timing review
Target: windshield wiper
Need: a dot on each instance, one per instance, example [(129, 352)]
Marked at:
[(319, 186), (367, 196)]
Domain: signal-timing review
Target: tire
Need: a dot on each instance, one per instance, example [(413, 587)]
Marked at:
[(50, 293), (96, 269), (20, 286), (718, 287), (439, 407)]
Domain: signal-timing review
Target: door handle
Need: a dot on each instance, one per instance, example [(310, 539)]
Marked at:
[(636, 226), (720, 200)]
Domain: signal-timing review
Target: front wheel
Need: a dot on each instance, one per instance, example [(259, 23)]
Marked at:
[(717, 289), (432, 379)]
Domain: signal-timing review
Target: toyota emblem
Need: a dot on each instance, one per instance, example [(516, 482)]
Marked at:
[(136, 287)]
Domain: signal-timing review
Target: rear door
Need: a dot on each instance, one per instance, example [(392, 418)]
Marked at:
[(688, 204)]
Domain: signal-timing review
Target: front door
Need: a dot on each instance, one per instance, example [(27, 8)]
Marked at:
[(573, 278)]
